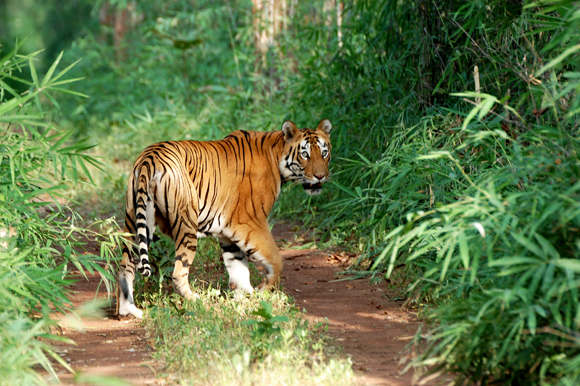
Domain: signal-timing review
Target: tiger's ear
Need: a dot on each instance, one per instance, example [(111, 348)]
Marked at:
[(325, 126), (290, 130)]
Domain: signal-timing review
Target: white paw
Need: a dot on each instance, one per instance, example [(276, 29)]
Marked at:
[(248, 288), (137, 313), (130, 309), (192, 296)]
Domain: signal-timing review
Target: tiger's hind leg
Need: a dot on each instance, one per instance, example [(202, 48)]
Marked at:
[(125, 300), (184, 254), (267, 254), (139, 221), (181, 224), (236, 263)]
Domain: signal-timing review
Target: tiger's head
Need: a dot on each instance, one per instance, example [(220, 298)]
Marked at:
[(306, 155)]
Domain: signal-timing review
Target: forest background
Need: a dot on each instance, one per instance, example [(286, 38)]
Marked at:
[(455, 143)]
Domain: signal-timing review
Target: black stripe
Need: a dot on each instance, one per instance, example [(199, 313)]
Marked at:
[(230, 248)]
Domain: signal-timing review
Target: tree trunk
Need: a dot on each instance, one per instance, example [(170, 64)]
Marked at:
[(120, 28)]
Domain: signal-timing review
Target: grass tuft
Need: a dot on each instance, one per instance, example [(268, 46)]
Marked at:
[(216, 342)]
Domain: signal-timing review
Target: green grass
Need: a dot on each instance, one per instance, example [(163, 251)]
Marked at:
[(207, 343), (210, 342)]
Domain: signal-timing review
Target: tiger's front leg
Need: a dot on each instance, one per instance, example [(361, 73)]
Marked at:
[(236, 263), (260, 247)]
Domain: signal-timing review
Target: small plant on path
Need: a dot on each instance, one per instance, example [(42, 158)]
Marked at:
[(264, 330)]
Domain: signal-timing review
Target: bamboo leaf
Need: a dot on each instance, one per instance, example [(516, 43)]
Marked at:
[(463, 249), (559, 59), (571, 264), (51, 70)]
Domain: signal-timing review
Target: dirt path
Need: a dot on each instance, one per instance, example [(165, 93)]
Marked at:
[(371, 328), (108, 347)]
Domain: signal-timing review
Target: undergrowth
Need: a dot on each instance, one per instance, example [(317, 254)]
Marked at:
[(212, 343), (40, 236)]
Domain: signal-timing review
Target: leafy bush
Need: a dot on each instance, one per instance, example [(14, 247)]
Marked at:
[(39, 234), (264, 329), (480, 206)]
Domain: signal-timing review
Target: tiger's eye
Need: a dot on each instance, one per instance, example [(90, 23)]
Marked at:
[(304, 154), (324, 153)]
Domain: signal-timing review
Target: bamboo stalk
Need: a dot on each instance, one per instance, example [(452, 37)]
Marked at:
[(477, 85), (339, 8)]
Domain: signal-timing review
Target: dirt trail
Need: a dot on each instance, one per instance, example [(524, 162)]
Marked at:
[(108, 347), (370, 327)]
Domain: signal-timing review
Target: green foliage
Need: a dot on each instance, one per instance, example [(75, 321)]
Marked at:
[(267, 326), (263, 330), (482, 206), (39, 235), (22, 287), (479, 205), (499, 263), (192, 90)]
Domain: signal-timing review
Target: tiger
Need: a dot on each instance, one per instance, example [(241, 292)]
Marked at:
[(225, 189)]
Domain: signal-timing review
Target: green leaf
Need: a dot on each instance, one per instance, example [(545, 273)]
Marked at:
[(62, 140), (11, 53), (516, 260), (66, 91), (65, 71), (33, 73), (571, 264), (532, 323), (569, 51), (14, 103), (529, 245), (51, 70), (463, 249), (446, 262)]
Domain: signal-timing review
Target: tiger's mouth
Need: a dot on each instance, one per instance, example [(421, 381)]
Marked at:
[(312, 189)]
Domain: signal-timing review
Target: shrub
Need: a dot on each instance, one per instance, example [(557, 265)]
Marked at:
[(39, 234)]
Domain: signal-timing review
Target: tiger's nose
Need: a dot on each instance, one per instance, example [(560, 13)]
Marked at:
[(319, 176)]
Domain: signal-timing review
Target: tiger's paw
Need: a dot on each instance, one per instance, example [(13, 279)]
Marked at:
[(242, 286), (192, 296), (130, 309), (264, 286), (269, 284)]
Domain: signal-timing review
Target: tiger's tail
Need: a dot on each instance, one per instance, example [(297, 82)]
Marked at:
[(144, 218)]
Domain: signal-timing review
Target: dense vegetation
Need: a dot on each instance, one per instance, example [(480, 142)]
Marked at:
[(39, 241), (455, 147)]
